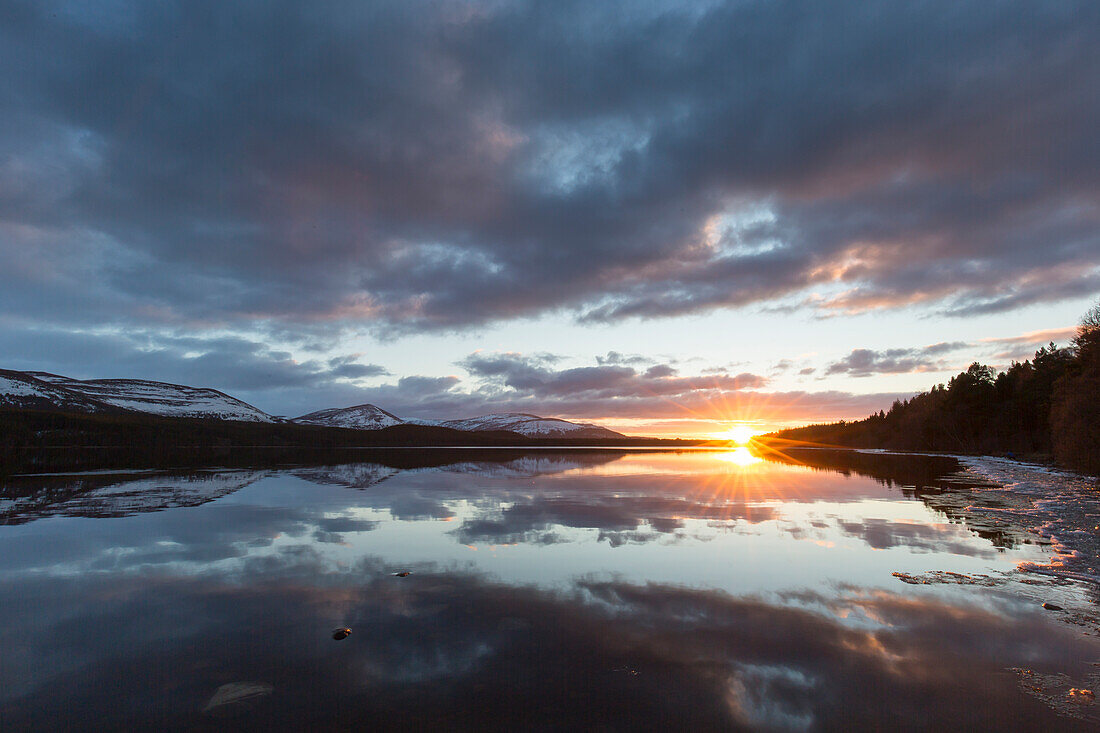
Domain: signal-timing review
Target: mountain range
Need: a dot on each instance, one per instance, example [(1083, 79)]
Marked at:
[(45, 391), (525, 424), (52, 392)]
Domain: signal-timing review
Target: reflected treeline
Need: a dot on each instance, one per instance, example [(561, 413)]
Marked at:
[(460, 652), (45, 441), (378, 465), (510, 512), (935, 480), (910, 470), (119, 494), (507, 510)]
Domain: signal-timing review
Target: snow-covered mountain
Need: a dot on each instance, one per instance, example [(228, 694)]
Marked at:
[(19, 389), (41, 390), (371, 417), (363, 417), (45, 391), (529, 425)]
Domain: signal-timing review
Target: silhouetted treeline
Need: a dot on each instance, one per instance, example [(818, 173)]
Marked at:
[(43, 441), (1049, 405)]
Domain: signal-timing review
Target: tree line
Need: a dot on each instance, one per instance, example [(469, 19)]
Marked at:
[(1045, 406), (36, 441)]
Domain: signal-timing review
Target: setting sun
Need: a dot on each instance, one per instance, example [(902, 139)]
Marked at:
[(737, 433)]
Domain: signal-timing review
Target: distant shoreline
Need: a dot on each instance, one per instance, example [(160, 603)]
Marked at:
[(34, 441)]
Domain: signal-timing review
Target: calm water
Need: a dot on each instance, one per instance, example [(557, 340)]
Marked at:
[(581, 590)]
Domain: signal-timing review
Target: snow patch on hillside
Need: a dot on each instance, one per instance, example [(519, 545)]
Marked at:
[(159, 398), (13, 388), (363, 417), (22, 390), (370, 417), (530, 425)]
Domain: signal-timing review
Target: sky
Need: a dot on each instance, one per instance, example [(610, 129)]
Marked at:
[(664, 217)]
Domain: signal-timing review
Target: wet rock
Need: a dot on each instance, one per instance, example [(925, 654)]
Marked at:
[(946, 577), (1081, 696), (236, 696), (629, 671), (1052, 607), (341, 633), (1061, 693)]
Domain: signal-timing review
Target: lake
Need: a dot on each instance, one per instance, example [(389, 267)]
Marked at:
[(546, 590)]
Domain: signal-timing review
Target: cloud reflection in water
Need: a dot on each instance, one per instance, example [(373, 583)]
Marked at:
[(479, 654), (134, 621)]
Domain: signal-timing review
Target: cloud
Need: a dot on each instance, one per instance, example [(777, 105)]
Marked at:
[(614, 357), (347, 367), (587, 393), (1024, 346), (866, 362), (1036, 338), (661, 371), (421, 166), (243, 366), (494, 382), (528, 375)]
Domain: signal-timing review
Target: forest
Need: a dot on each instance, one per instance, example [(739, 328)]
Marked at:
[(36, 441), (1045, 407)]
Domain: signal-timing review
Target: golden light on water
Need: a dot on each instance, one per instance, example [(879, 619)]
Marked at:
[(740, 456)]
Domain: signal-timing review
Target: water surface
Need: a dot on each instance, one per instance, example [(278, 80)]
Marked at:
[(548, 590)]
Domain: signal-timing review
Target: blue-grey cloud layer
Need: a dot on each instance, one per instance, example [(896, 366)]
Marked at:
[(422, 165)]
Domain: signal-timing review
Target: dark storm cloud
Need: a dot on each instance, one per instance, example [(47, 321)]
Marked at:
[(430, 165), (221, 362), (866, 362), (605, 381), (347, 367)]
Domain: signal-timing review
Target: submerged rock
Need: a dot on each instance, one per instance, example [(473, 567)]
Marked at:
[(1081, 697), (1062, 693), (236, 695), (946, 577), (630, 671)]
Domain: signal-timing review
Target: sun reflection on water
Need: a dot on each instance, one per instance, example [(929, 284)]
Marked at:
[(740, 456)]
